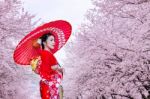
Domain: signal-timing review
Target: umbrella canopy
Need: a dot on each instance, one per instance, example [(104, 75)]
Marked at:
[(28, 47)]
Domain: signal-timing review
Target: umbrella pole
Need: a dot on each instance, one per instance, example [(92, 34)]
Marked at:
[(61, 92)]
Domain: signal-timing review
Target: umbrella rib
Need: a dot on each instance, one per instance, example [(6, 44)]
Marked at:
[(24, 54), (32, 53), (22, 49), (22, 61), (21, 58)]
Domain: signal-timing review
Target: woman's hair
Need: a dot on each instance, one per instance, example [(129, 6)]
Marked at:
[(44, 38)]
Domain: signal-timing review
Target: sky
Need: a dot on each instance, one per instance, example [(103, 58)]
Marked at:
[(72, 11)]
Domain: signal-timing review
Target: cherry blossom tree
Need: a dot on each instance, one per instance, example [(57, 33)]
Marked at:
[(15, 23), (110, 54)]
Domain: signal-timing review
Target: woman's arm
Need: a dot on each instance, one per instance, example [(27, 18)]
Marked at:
[(58, 68)]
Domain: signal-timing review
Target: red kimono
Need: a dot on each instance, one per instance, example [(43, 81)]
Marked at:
[(51, 79)]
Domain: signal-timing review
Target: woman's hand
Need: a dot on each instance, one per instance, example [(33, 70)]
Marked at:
[(61, 70)]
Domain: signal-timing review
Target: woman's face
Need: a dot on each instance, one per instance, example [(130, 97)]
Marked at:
[(50, 43)]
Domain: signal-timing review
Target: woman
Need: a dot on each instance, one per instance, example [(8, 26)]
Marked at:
[(52, 36), (49, 69)]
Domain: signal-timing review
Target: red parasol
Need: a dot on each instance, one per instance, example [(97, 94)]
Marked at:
[(28, 47)]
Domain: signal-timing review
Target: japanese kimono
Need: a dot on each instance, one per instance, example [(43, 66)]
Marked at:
[(50, 83)]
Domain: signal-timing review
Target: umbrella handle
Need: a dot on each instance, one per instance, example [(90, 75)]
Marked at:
[(61, 92)]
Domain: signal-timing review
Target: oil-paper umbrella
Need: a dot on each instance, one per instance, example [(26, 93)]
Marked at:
[(28, 48)]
